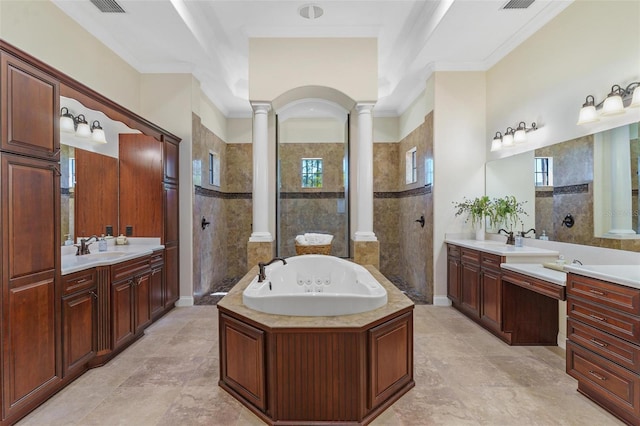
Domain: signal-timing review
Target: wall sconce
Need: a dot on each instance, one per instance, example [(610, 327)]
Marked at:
[(80, 126), (613, 104), (512, 136)]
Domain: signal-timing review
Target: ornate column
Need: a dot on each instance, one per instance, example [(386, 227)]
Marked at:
[(261, 244), (366, 245)]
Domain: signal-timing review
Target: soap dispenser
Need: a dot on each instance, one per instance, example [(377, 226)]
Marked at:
[(102, 244), (68, 241), (544, 236)]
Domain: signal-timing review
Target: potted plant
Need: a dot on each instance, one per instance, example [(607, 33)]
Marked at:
[(506, 212), (476, 210)]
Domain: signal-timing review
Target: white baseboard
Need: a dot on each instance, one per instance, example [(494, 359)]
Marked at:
[(441, 301), (562, 341), (184, 301)]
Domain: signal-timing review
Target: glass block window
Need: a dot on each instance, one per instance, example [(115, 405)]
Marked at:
[(312, 172), (543, 171)]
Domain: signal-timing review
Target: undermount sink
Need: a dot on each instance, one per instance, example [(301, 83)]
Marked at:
[(104, 255)]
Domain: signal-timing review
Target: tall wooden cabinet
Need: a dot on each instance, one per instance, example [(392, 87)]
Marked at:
[(53, 329), (30, 224)]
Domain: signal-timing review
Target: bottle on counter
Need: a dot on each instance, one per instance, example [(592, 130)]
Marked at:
[(102, 244), (519, 241), (544, 236), (68, 241)]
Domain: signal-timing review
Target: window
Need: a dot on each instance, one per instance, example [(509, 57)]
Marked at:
[(312, 172), (543, 171), (72, 172), (411, 166), (214, 169)]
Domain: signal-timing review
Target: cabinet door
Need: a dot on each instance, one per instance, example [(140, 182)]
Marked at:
[(142, 285), (79, 316), (156, 291), (30, 105), (140, 162), (470, 288), (453, 279), (491, 313), (31, 356), (170, 160), (171, 214), (171, 277), (122, 326)]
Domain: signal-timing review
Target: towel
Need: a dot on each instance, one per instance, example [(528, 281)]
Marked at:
[(318, 239), (301, 240)]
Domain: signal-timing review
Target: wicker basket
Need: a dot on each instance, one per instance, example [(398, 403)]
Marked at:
[(313, 249)]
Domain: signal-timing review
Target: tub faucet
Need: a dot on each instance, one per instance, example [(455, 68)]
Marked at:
[(261, 265), (83, 248)]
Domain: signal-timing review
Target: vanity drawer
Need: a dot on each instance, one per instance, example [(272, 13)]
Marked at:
[(548, 289), (78, 281), (601, 317), (453, 251), (491, 261), (608, 346), (471, 256), (605, 381), (615, 296), (157, 258), (130, 268)]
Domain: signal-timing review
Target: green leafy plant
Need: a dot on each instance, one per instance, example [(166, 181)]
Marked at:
[(476, 209), (507, 211)]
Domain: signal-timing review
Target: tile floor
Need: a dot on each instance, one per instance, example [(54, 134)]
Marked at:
[(463, 375)]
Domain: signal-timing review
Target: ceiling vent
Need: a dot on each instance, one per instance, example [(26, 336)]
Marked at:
[(310, 11), (516, 4), (108, 6)]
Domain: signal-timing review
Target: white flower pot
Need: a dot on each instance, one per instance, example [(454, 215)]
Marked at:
[(480, 230)]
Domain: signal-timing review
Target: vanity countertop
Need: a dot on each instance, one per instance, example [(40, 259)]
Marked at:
[(537, 271), (502, 249), (628, 275), (115, 254)]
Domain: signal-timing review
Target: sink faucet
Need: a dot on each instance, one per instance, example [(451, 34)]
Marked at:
[(510, 238), (524, 234), (262, 275), (83, 248)]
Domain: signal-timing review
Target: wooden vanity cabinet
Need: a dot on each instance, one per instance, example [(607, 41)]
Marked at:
[(470, 282), (491, 288), (79, 321), (453, 274), (603, 347), (31, 350), (156, 284), (130, 300)]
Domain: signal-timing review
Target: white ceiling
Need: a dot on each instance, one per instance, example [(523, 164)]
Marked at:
[(209, 38)]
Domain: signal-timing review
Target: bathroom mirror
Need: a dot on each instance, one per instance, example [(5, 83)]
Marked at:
[(312, 174), (593, 179), (89, 176)]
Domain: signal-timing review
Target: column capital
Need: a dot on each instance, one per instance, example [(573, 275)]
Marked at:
[(261, 107), (365, 107)]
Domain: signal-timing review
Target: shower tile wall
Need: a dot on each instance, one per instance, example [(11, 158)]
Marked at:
[(317, 210), (405, 247), (220, 249)]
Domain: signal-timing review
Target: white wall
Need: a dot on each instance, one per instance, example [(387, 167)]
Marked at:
[(459, 158), (45, 32), (414, 115), (277, 65), (239, 130), (386, 129), (586, 49), (310, 130)]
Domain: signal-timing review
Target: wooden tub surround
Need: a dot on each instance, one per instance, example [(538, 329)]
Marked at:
[(316, 370)]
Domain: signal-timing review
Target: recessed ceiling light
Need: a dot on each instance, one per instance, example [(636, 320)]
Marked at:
[(310, 11)]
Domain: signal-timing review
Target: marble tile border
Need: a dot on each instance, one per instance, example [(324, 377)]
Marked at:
[(416, 192), (311, 195), (212, 193), (571, 189)]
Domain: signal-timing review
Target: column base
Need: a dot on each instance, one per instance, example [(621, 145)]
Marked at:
[(366, 252), (259, 251), (261, 237)]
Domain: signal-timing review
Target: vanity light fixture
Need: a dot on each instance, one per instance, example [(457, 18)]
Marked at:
[(496, 143), (512, 136), (520, 136), (79, 125), (614, 104)]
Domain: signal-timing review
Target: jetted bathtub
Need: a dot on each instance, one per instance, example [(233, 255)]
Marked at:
[(315, 285)]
